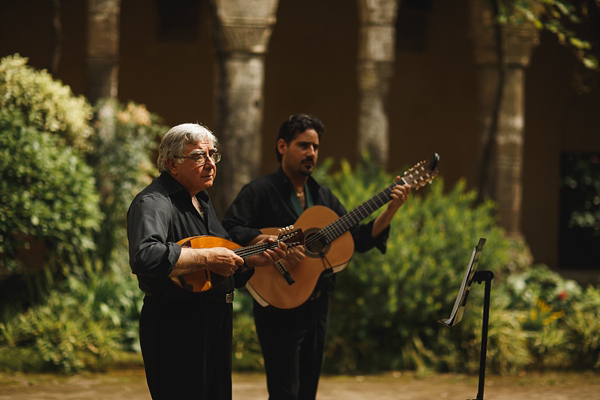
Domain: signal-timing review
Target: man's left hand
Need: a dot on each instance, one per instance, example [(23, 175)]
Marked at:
[(267, 257), (399, 196)]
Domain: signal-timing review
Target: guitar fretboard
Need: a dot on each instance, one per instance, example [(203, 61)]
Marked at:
[(419, 175), (347, 221)]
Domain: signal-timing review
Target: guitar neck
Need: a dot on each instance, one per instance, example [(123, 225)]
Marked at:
[(347, 221)]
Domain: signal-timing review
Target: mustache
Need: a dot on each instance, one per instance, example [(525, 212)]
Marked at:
[(309, 159)]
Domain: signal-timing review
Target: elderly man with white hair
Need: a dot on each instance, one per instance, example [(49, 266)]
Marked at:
[(186, 335)]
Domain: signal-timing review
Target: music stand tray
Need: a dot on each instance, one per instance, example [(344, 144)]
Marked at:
[(472, 275), (465, 286)]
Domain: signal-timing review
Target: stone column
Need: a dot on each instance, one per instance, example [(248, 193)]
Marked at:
[(243, 30), (376, 54), (102, 60), (102, 63), (501, 76)]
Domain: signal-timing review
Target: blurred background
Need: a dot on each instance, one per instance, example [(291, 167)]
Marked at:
[(506, 91)]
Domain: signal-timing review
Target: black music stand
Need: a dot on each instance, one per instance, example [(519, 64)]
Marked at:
[(472, 275)]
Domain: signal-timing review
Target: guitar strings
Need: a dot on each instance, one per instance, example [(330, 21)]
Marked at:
[(341, 225), (338, 227)]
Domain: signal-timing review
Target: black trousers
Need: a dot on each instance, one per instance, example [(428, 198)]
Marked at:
[(292, 343), (186, 348)]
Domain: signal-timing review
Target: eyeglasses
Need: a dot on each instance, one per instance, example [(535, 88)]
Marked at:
[(201, 159)]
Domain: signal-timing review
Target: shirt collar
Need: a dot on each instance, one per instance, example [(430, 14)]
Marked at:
[(172, 186), (313, 185)]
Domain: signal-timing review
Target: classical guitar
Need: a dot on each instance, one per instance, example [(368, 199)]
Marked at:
[(328, 244), (203, 280)]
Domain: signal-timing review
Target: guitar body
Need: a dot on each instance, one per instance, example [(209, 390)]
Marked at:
[(202, 280), (268, 286), (328, 244)]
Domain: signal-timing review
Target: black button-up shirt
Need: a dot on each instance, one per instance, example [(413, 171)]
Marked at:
[(160, 216), (265, 203)]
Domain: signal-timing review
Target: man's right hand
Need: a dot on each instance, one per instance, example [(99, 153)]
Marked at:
[(219, 260), (222, 261)]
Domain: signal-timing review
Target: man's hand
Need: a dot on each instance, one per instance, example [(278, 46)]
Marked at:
[(219, 260), (399, 196), (267, 257), (295, 255), (222, 261)]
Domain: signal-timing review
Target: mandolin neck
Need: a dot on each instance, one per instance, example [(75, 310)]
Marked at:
[(255, 249)]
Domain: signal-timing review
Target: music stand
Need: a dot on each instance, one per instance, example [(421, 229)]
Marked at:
[(472, 275)]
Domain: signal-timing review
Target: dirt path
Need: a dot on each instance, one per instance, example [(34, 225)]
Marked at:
[(130, 385)]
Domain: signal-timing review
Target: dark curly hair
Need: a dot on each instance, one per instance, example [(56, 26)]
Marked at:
[(295, 125)]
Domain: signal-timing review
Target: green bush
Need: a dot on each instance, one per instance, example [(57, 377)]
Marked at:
[(48, 200), (47, 191), (63, 332), (86, 321), (582, 326), (392, 302), (385, 308), (561, 320), (122, 160), (36, 100), (74, 224)]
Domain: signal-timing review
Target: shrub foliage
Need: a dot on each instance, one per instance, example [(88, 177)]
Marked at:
[(63, 200), (64, 197), (48, 198), (35, 99), (386, 307)]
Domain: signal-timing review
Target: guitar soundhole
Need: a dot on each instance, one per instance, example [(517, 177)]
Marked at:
[(315, 244)]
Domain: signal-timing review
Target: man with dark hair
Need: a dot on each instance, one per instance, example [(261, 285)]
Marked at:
[(293, 340), (185, 336)]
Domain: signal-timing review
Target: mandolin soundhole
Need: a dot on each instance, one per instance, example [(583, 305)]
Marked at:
[(316, 245)]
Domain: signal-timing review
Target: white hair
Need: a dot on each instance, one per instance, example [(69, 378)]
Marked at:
[(173, 143)]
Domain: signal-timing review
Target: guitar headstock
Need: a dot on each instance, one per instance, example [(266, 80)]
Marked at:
[(422, 173), (290, 236)]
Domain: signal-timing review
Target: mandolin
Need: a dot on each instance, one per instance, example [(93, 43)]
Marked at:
[(328, 244), (203, 280)]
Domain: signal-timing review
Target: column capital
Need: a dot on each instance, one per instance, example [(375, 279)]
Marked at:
[(377, 12), (518, 39), (245, 26)]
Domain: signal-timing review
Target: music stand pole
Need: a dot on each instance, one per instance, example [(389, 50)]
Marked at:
[(484, 276)]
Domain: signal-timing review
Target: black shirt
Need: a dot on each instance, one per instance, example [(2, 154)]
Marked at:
[(265, 203), (160, 216)]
